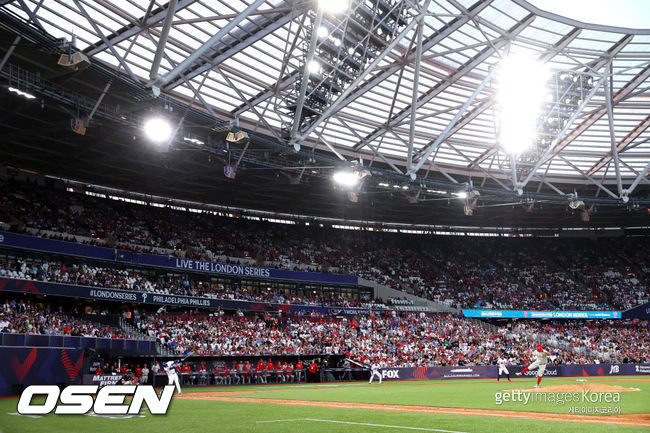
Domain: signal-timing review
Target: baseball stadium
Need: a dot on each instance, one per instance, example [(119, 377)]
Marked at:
[(324, 216)]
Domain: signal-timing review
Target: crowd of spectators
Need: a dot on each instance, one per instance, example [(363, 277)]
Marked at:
[(26, 317), (392, 339), (606, 340), (398, 339), (139, 280), (530, 273)]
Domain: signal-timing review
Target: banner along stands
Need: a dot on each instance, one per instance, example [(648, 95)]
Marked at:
[(550, 314), (74, 249), (490, 371), (70, 290)]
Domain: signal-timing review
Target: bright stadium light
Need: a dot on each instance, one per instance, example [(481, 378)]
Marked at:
[(157, 129), (314, 67), (522, 88), (322, 32), (461, 194), (22, 93), (346, 178)]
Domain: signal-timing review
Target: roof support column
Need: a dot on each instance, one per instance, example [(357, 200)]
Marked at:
[(416, 80), (300, 102), (162, 41), (612, 132)]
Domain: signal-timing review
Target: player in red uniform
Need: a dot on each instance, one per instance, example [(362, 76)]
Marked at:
[(259, 371), (269, 371), (541, 357), (299, 371)]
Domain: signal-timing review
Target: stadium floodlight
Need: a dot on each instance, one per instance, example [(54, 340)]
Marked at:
[(322, 32), (22, 93), (346, 178), (521, 92), (461, 194), (314, 67), (237, 137), (157, 129), (193, 140), (334, 6)]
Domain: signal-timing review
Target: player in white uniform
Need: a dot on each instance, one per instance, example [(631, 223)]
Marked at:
[(503, 369), (375, 370), (170, 369), (541, 358)]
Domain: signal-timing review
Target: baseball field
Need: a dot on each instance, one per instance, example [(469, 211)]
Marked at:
[(593, 404)]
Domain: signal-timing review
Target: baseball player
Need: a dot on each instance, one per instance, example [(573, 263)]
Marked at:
[(170, 369), (503, 369), (375, 370), (540, 364)]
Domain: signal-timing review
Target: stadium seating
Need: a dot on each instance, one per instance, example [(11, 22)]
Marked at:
[(530, 273), (27, 317), (399, 340)]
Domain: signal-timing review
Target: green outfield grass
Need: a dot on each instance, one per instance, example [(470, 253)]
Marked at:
[(225, 416)]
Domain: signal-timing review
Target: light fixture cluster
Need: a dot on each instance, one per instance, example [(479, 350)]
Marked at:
[(564, 94), (351, 179), (534, 106), (521, 89), (350, 35), (565, 91)]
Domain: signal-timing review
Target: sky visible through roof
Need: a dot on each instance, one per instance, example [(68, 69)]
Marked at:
[(619, 13)]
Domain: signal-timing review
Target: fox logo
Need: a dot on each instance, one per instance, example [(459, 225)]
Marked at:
[(390, 374)]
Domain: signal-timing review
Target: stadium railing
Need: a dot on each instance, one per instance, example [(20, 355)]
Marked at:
[(75, 342)]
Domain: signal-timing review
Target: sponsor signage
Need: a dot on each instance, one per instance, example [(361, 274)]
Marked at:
[(390, 374), (532, 314), (71, 248), (102, 379), (490, 371), (38, 366), (70, 290)]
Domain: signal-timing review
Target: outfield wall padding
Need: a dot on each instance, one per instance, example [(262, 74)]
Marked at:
[(490, 371), (21, 367)]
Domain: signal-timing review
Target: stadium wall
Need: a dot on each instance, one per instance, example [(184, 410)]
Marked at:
[(21, 367), (490, 371), (107, 294)]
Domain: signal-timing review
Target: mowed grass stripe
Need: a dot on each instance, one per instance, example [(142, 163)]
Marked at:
[(474, 395), (359, 423), (240, 417)]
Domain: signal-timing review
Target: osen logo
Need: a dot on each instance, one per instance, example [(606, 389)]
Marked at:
[(78, 400)]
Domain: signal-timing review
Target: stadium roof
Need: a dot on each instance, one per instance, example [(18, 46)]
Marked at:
[(233, 60)]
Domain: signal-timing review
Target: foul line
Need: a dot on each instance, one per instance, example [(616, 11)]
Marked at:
[(360, 423)]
